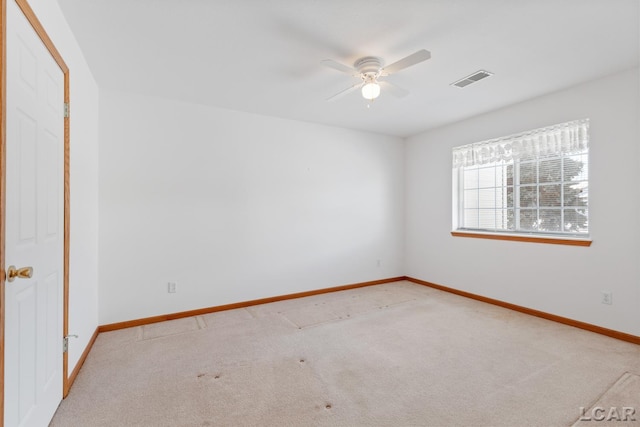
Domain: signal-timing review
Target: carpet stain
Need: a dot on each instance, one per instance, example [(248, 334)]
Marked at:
[(215, 377), (169, 328), (341, 308)]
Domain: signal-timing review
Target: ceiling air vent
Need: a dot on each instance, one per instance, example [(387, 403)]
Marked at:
[(477, 76)]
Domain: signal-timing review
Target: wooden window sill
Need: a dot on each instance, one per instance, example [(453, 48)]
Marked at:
[(524, 238)]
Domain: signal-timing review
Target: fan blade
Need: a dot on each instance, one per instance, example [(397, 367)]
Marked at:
[(413, 59), (346, 91), (395, 90), (340, 67)]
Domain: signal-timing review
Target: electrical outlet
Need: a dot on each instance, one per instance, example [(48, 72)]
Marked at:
[(607, 297), (171, 287)]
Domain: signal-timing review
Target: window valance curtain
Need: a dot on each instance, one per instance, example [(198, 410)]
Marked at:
[(565, 138)]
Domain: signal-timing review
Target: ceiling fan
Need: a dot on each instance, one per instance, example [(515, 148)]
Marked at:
[(370, 70)]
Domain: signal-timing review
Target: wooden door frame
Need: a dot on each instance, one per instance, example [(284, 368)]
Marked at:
[(39, 29)]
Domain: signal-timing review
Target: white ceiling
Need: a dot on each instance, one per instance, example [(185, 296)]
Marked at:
[(263, 56)]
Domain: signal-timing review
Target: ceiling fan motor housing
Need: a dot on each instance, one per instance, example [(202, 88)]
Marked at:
[(369, 65)]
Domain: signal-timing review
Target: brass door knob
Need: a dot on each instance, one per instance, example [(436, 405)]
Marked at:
[(20, 273)]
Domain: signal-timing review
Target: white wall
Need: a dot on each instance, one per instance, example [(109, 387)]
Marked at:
[(235, 207), (83, 272), (562, 280)]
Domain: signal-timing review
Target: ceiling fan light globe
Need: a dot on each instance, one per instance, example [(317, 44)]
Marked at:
[(371, 91)]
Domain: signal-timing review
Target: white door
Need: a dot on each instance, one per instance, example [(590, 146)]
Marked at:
[(34, 226)]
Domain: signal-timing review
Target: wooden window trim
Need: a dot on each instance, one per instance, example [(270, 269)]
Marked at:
[(524, 238)]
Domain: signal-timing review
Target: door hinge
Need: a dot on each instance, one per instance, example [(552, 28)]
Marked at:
[(66, 109), (65, 342)]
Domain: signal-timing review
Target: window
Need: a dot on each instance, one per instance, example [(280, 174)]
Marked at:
[(536, 182)]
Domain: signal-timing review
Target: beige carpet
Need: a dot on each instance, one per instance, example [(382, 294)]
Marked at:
[(398, 354)]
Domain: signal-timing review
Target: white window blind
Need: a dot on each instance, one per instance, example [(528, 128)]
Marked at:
[(531, 182)]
